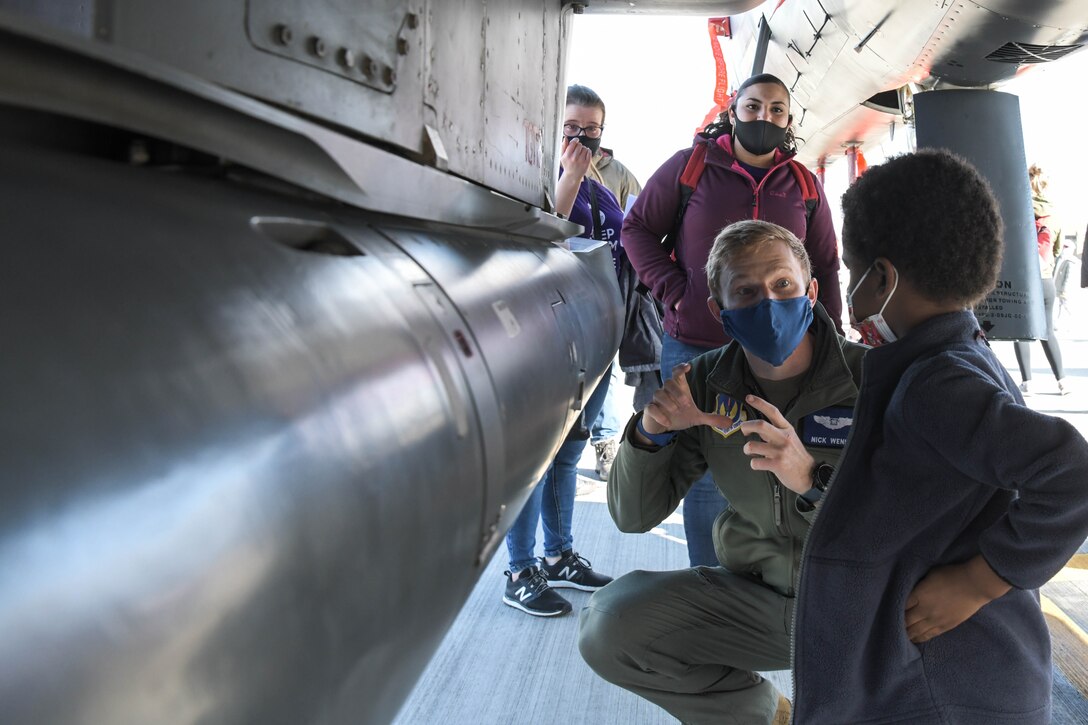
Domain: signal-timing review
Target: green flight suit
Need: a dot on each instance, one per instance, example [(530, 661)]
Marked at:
[(691, 640)]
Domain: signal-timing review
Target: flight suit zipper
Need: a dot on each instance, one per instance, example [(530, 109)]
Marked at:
[(778, 506)]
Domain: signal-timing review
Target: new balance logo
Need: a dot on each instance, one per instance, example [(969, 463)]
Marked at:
[(523, 593), (567, 573)]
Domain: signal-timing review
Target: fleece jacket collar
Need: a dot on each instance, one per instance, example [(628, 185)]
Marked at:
[(721, 154), (887, 363)]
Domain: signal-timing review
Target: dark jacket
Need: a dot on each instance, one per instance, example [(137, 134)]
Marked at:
[(640, 346), (944, 462), (725, 193), (762, 531)]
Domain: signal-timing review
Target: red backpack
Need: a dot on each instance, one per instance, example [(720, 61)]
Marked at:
[(694, 170)]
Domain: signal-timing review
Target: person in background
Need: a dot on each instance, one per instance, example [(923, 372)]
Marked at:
[(623, 184), (1064, 267), (1049, 239), (747, 175), (1083, 261), (953, 501), (531, 582), (768, 414)]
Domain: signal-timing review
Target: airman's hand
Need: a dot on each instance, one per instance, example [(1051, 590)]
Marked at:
[(777, 448), (674, 409)]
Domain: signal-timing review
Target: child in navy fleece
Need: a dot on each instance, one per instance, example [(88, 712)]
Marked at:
[(953, 502)]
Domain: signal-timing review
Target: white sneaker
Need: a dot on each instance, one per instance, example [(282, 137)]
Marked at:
[(1063, 387), (585, 486), (1025, 388)]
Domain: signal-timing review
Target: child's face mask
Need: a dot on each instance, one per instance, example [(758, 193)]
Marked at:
[(874, 330)]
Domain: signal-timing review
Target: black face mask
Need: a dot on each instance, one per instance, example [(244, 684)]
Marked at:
[(759, 137), (593, 144)]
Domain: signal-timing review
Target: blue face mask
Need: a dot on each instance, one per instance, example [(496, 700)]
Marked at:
[(771, 330)]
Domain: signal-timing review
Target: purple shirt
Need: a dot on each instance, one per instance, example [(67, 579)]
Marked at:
[(611, 216)]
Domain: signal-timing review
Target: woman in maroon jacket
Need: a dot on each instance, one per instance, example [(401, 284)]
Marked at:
[(747, 175)]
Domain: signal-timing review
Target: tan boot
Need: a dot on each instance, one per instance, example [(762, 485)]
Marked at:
[(782, 714)]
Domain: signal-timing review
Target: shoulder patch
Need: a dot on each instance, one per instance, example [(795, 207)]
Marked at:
[(827, 428), (732, 409)]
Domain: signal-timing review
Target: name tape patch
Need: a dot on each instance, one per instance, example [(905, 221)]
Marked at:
[(827, 428)]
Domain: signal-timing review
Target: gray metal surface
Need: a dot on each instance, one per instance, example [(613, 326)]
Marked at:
[(984, 127), (834, 54), (371, 48), (256, 449), (62, 74), (480, 81), (274, 392)]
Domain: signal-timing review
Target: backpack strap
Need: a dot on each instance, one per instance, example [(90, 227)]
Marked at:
[(807, 182), (689, 179), (693, 169), (595, 210)]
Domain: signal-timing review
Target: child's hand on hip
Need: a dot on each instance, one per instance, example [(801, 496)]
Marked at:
[(948, 596)]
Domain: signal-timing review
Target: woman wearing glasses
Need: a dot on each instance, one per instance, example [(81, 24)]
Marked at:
[(531, 582), (583, 123), (580, 184)]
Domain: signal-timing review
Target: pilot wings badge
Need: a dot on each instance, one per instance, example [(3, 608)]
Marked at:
[(833, 423), (732, 409)]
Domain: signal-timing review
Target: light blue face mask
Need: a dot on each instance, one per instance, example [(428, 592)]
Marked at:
[(772, 329)]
